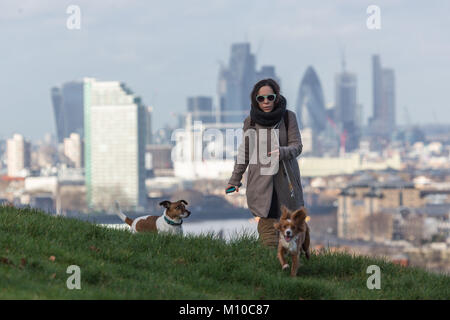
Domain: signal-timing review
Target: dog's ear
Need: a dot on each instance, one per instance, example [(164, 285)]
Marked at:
[(299, 216), (285, 213), (185, 202), (165, 204)]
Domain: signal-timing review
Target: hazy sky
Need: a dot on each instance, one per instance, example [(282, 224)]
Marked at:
[(166, 51)]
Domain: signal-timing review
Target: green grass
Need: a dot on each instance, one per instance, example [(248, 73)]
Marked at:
[(116, 264)]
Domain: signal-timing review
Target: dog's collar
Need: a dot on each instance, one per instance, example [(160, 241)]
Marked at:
[(171, 222)]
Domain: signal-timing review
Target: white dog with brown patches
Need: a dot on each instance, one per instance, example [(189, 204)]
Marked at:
[(294, 237), (170, 221)]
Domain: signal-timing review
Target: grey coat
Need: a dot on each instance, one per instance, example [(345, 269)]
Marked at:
[(260, 186)]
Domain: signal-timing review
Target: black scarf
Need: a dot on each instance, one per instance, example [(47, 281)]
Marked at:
[(271, 118)]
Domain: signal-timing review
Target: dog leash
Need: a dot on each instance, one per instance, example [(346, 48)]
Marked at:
[(291, 188)]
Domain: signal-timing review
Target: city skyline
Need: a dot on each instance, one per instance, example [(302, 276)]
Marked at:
[(167, 64)]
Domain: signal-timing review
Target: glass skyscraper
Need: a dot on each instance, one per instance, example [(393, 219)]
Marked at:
[(68, 109), (310, 105), (236, 82), (115, 134), (347, 109), (383, 120), (311, 113)]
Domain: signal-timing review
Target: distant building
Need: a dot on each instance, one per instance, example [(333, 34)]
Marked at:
[(45, 156), (149, 129), (160, 156), (73, 149), (362, 208), (236, 82), (347, 109), (191, 152), (265, 73), (18, 155), (311, 106), (43, 202), (383, 121), (201, 109), (389, 98), (347, 164), (311, 112), (2, 155), (68, 101), (115, 126), (307, 140)]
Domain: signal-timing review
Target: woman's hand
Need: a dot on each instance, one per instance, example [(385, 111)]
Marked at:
[(274, 151), (230, 185)]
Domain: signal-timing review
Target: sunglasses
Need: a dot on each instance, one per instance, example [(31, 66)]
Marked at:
[(270, 97)]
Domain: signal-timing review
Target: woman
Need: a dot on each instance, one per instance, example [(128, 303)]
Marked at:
[(267, 192)]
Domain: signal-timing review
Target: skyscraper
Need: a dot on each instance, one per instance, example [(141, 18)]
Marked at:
[(383, 120), (347, 109), (68, 109), (388, 90), (201, 109), (310, 105), (115, 126), (236, 82), (18, 153), (310, 111), (149, 126), (267, 72)]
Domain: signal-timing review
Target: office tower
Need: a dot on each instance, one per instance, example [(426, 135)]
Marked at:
[(58, 113), (388, 90), (376, 87), (383, 120), (149, 127), (310, 105), (201, 109), (267, 72), (311, 112), (347, 111), (73, 149), (236, 82), (115, 126), (68, 109), (18, 153)]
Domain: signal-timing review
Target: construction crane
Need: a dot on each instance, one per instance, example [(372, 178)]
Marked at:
[(342, 135)]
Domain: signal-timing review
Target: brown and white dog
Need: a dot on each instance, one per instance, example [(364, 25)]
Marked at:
[(170, 221), (294, 237)]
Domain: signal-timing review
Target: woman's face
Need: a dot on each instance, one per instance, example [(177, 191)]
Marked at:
[(266, 105)]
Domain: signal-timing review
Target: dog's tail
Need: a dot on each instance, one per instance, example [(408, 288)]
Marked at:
[(122, 215)]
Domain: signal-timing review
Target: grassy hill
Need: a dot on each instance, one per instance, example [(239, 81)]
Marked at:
[(36, 249)]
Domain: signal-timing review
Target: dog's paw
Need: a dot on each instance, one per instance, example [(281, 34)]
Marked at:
[(286, 266)]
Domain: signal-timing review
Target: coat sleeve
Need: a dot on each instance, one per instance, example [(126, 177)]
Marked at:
[(242, 160), (295, 146)]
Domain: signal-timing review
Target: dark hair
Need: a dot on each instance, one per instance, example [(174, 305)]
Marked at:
[(265, 82)]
